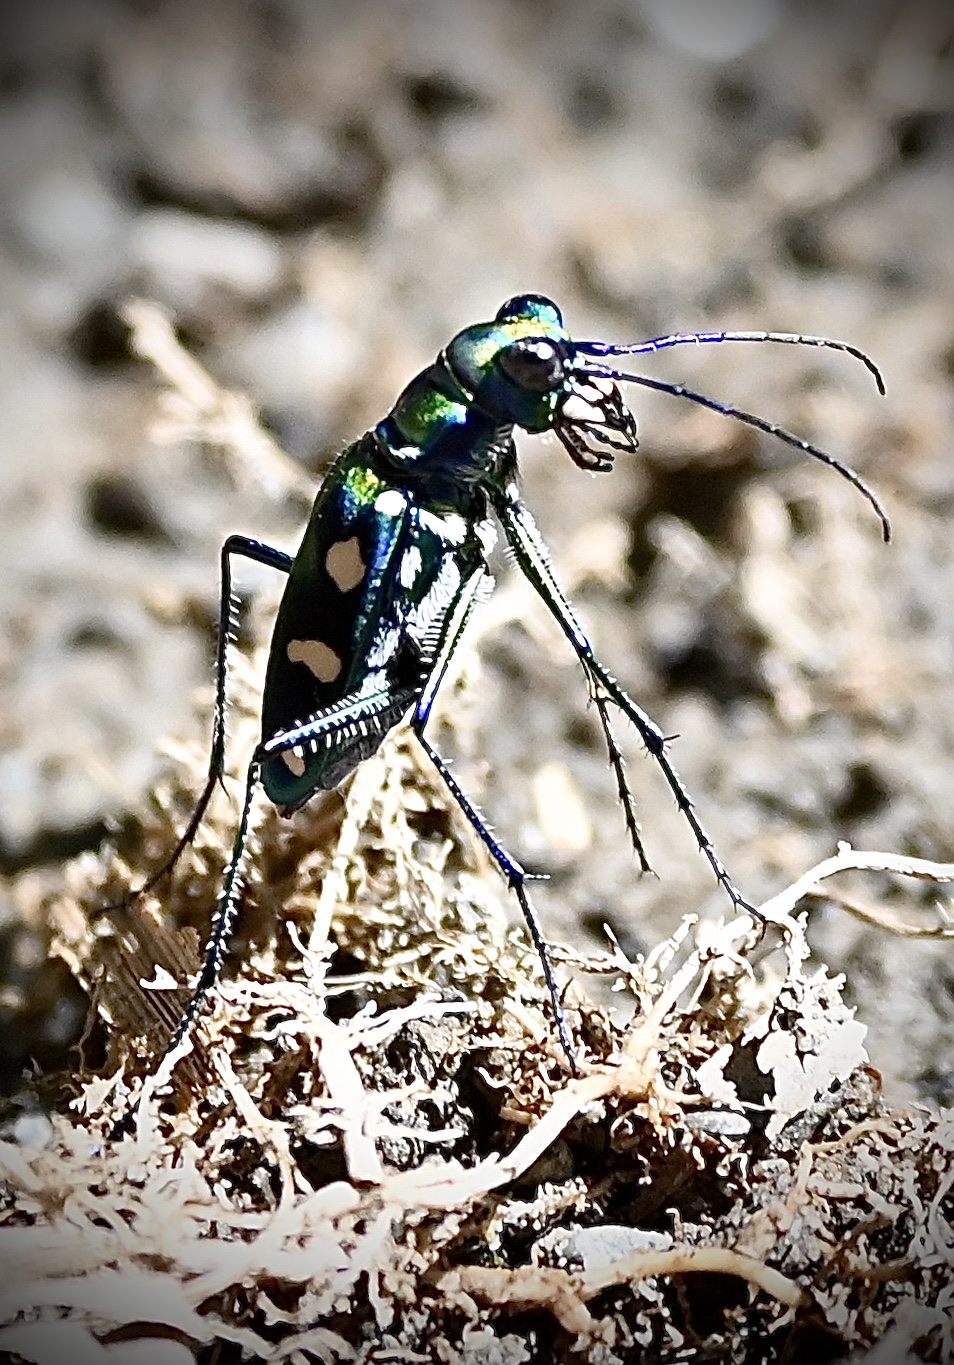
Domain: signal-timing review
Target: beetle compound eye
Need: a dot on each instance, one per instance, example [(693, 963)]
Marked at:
[(530, 306), (535, 365)]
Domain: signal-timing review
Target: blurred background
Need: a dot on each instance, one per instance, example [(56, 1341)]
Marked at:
[(321, 194)]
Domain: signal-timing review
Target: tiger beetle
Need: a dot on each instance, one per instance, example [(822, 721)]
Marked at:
[(394, 561)]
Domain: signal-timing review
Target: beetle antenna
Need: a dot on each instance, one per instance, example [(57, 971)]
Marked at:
[(750, 419), (609, 348)]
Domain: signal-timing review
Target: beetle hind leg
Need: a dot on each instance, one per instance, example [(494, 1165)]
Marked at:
[(259, 553)]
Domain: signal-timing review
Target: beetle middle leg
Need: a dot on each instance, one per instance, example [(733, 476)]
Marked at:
[(514, 874)]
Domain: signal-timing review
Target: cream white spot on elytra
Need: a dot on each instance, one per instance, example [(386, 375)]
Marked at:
[(295, 762), (318, 658), (390, 503), (346, 568)]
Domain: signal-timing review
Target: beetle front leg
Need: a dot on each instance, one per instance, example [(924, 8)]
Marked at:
[(531, 555)]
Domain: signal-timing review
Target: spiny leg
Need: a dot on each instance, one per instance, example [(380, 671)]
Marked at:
[(515, 876), (656, 742), (273, 559), (531, 555), (623, 792), (582, 650), (516, 879), (352, 717), (349, 714), (222, 923)]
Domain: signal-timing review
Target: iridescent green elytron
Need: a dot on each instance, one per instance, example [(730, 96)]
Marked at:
[(394, 560)]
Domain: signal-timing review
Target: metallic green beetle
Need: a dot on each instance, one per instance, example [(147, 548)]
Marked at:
[(394, 560)]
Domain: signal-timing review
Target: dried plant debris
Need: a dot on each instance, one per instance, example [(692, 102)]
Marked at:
[(374, 1152)]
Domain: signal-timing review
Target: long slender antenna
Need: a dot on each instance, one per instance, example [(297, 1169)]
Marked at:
[(750, 419), (609, 348)]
